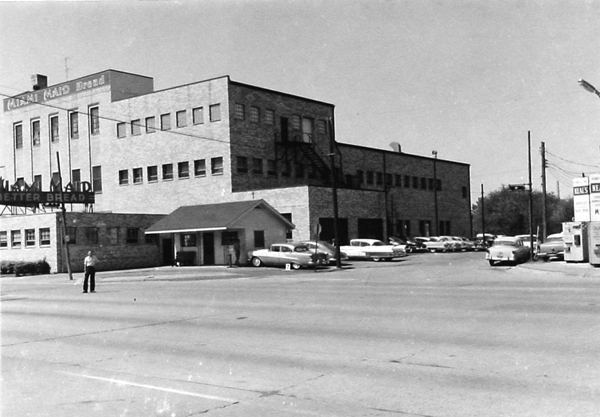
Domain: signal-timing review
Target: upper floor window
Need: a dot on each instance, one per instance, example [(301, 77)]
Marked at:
[(322, 127), (181, 118), (94, 120), (76, 179), (257, 166), (269, 117), (167, 171), (271, 167), (152, 173), (150, 124), (296, 122), (35, 132), (200, 168), (242, 164), (216, 166), (254, 114), (239, 111), (198, 115), (18, 134), (3, 239), (165, 121), (121, 129), (138, 175), (307, 129), (215, 112), (380, 178), (74, 125), (370, 176), (97, 179), (136, 127), (183, 169), (54, 128), (123, 177)]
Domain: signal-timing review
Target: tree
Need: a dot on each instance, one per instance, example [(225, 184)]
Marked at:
[(507, 212)]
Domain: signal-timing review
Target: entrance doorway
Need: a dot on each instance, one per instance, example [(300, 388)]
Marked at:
[(168, 252)]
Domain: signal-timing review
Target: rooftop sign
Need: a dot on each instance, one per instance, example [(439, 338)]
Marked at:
[(57, 91), (21, 194)]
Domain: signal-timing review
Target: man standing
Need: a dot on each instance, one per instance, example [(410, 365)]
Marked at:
[(89, 266)]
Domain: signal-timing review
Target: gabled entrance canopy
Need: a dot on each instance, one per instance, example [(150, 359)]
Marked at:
[(212, 217)]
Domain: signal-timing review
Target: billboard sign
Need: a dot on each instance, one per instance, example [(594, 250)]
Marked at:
[(581, 199), (21, 194)]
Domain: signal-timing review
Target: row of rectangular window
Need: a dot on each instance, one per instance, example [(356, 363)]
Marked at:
[(18, 238), (53, 127), (181, 120), (183, 171), (243, 167), (406, 181)]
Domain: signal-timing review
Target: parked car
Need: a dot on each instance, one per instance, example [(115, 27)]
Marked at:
[(527, 240), (297, 254), (326, 248), (440, 244), (507, 249), (409, 246), (552, 248), (372, 249), (420, 242)]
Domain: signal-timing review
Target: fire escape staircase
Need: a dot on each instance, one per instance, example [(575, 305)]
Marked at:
[(309, 150)]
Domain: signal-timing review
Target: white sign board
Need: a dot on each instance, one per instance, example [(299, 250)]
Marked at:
[(581, 199), (595, 197)]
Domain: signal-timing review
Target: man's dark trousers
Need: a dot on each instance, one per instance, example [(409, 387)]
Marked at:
[(90, 272)]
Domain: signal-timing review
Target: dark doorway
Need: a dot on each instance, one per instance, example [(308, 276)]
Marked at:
[(370, 229), (168, 257), (284, 129), (208, 248), (328, 232)]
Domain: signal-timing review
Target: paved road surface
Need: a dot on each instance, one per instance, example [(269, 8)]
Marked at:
[(431, 335)]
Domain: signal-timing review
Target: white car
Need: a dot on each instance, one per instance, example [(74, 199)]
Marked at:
[(372, 249)]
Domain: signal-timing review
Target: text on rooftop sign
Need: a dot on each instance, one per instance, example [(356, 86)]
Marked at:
[(61, 90)]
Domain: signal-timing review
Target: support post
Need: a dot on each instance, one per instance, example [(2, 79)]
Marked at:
[(64, 218)]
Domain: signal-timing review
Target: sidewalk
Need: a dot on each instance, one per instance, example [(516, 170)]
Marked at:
[(580, 269)]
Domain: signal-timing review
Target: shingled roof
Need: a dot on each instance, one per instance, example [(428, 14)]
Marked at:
[(210, 217)]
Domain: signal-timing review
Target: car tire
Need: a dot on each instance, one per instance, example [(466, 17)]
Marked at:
[(296, 266), (256, 262), (376, 259), (492, 263), (432, 250)]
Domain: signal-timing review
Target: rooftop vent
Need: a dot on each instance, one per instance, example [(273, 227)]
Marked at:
[(396, 147), (39, 81)]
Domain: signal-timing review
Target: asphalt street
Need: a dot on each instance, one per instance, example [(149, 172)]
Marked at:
[(430, 335)]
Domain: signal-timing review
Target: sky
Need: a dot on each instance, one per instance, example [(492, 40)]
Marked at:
[(471, 80)]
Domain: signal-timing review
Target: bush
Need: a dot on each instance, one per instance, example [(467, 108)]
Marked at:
[(24, 268)]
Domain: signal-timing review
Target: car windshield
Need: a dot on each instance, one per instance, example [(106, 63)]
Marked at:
[(378, 243)]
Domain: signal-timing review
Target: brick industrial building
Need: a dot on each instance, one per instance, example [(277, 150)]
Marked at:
[(148, 152)]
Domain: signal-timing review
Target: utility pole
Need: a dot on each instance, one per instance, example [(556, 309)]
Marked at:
[(483, 239), (64, 219), (544, 203), (531, 248), (338, 261), (435, 196)]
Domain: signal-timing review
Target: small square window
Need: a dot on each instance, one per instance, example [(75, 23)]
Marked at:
[(271, 167), (150, 124), (296, 122), (72, 235), (167, 172), (198, 115), (153, 173), (44, 236), (123, 177), (15, 239), (132, 235), (91, 235), (30, 237), (257, 166), (181, 118), (165, 121), (215, 112), (259, 238), (188, 240), (138, 175), (360, 176), (370, 177), (3, 239), (216, 166), (183, 169), (121, 129), (254, 114), (136, 127), (200, 168), (269, 117), (242, 164), (239, 111), (380, 178)]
